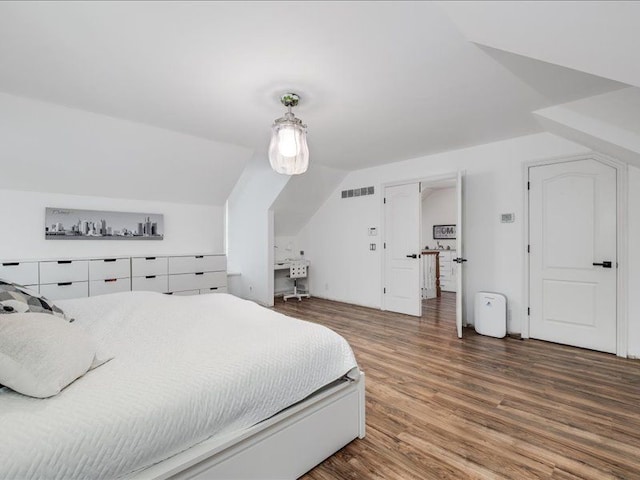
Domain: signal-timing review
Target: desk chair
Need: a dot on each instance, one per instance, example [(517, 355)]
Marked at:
[(297, 270)]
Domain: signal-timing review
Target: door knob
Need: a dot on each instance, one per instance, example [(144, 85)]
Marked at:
[(459, 260), (413, 255), (604, 264)]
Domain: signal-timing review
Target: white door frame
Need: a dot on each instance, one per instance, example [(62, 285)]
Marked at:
[(445, 176), (622, 343)]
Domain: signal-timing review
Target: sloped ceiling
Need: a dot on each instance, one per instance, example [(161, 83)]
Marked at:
[(597, 37), (608, 123), (302, 196), (380, 81), (49, 148)]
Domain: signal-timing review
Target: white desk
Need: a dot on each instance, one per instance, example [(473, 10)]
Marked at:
[(281, 282)]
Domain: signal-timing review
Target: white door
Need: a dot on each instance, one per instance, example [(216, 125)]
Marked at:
[(572, 235), (460, 259), (402, 210)]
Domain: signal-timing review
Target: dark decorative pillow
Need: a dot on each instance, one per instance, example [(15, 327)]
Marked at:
[(15, 298)]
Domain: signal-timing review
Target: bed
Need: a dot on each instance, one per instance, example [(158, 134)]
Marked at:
[(209, 386)]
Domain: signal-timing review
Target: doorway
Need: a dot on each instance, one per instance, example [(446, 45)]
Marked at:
[(422, 233), (573, 253)]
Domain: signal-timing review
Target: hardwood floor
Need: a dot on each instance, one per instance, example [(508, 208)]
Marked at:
[(480, 407)]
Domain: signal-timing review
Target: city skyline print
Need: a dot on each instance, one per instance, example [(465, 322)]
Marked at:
[(74, 224)]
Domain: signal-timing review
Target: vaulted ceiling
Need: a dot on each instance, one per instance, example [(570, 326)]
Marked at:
[(380, 81)]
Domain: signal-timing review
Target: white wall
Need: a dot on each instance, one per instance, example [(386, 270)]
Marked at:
[(286, 247), (633, 311), (250, 230), (336, 241), (438, 208), (188, 228)]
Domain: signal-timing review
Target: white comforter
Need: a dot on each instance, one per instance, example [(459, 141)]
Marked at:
[(185, 369)]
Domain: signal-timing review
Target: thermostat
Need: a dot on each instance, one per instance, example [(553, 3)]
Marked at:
[(507, 217)]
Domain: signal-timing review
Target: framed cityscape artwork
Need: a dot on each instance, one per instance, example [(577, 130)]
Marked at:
[(72, 224)]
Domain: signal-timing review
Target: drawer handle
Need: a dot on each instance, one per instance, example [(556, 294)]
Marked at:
[(150, 276), (199, 273), (213, 288), (110, 259), (61, 262), (64, 284), (110, 280), (11, 264), (199, 256), (168, 293), (149, 258)]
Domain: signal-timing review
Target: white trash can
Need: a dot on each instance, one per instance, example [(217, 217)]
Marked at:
[(490, 314)]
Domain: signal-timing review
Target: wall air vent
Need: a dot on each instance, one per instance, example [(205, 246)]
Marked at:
[(357, 192)]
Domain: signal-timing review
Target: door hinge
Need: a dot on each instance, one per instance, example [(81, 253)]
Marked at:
[(528, 248), (384, 290), (528, 185), (528, 311)]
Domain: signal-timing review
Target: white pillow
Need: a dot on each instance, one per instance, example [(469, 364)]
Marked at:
[(40, 354)]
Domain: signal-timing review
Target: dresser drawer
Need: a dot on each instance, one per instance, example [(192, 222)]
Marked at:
[(23, 273), (215, 280), (213, 290), (185, 281), (197, 281), (101, 287), (151, 283), (145, 266), (185, 293), (199, 263), (65, 290), (108, 268), (64, 271)]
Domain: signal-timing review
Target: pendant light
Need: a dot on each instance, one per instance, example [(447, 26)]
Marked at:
[(288, 150)]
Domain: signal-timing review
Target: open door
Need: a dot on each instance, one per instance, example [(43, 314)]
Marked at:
[(402, 206), (460, 258)]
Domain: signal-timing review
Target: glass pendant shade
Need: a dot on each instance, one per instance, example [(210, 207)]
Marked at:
[(288, 150)]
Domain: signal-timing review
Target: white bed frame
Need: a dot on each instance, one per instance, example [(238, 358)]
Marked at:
[(285, 446)]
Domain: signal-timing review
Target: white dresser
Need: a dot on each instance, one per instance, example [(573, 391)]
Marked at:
[(197, 274), (448, 270), (150, 274), (61, 279), (109, 275)]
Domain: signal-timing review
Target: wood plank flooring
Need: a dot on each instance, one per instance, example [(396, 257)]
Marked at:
[(443, 408)]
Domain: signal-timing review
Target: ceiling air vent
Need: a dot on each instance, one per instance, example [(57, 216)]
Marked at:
[(357, 192)]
